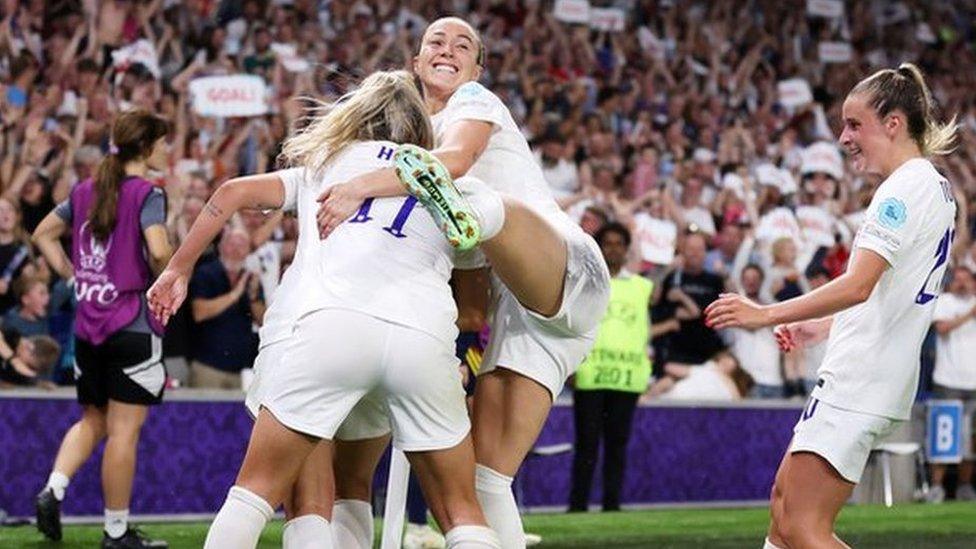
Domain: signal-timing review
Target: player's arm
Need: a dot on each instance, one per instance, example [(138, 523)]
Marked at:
[(795, 336), (847, 290), (263, 192), (462, 144)]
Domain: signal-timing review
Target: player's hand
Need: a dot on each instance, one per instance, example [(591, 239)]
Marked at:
[(337, 204), (167, 294), (735, 311), (797, 335), (785, 337)]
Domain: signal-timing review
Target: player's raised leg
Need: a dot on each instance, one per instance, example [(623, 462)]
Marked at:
[(524, 249)]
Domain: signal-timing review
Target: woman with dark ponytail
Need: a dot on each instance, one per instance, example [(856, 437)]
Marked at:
[(876, 314), (119, 243)]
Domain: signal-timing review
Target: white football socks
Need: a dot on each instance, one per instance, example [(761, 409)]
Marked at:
[(116, 523), (487, 204), (769, 545), (471, 537), (352, 524), (239, 522), (307, 532), (58, 483), (495, 495)]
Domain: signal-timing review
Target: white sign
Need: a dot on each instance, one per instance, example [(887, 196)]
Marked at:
[(290, 58), (228, 96), (572, 11), (141, 51), (825, 8), (608, 19), (794, 92), (656, 239), (835, 52)]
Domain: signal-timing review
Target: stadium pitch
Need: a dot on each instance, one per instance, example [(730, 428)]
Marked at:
[(947, 526)]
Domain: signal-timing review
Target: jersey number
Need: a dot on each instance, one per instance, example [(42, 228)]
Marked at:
[(395, 228), (933, 282)]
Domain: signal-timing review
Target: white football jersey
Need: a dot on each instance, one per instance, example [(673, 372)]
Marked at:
[(507, 165), (390, 260), (282, 312), (872, 360)]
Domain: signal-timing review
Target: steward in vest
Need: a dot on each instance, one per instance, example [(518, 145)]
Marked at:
[(616, 372)]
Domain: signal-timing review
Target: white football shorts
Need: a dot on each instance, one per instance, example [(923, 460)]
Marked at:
[(336, 357), (842, 437), (550, 349)]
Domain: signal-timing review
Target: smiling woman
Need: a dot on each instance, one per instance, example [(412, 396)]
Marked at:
[(882, 306), (549, 281)]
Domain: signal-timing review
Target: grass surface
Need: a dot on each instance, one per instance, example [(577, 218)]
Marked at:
[(948, 526)]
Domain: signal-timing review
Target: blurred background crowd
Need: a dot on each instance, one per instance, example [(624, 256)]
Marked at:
[(705, 129)]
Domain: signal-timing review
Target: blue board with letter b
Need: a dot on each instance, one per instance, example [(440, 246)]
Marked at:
[(943, 434)]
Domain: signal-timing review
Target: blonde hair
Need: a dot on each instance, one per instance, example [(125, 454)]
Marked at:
[(905, 89), (385, 107)]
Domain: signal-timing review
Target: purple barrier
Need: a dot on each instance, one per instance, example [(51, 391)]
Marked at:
[(190, 450)]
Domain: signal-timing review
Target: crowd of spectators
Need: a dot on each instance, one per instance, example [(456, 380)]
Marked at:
[(677, 126)]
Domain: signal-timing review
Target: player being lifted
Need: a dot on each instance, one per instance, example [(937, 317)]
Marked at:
[(876, 313), (550, 283)]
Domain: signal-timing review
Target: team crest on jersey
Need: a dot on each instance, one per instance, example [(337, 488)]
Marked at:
[(892, 214), (471, 89)]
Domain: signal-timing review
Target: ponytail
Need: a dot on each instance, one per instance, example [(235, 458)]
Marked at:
[(101, 218), (937, 139), (904, 89)]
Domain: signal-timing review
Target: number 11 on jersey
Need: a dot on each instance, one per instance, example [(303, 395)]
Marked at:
[(396, 227)]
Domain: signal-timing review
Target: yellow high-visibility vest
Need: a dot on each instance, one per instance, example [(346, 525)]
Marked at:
[(618, 360)]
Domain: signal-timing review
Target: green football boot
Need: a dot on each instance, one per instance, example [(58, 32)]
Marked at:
[(431, 184)]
